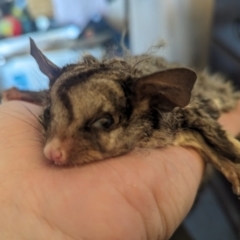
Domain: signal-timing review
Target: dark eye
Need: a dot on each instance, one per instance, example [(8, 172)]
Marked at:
[(103, 123)]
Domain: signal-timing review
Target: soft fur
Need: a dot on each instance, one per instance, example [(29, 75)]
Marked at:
[(102, 109)]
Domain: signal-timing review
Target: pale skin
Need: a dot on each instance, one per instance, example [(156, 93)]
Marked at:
[(142, 195)]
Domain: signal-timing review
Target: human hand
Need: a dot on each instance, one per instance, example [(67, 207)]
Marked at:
[(142, 195)]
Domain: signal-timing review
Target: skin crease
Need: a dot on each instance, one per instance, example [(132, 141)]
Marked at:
[(142, 195)]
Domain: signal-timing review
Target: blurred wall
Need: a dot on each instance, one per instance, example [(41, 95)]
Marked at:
[(184, 25)]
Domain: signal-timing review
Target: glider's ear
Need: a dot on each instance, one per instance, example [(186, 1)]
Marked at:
[(45, 65), (169, 88)]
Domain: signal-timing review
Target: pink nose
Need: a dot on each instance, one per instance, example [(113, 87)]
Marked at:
[(54, 151)]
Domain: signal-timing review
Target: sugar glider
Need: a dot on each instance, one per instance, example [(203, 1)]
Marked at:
[(97, 109)]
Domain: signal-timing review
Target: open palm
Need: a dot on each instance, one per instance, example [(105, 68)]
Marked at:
[(142, 195)]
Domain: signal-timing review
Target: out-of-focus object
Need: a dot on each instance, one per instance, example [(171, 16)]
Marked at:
[(23, 72), (19, 45), (42, 23), (116, 14), (41, 8), (10, 26), (225, 58), (184, 25), (5, 7), (78, 12), (20, 12), (225, 44)]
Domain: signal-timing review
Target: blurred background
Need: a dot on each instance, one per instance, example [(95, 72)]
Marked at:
[(197, 33)]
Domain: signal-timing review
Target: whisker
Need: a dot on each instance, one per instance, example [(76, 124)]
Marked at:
[(37, 140), (16, 110), (19, 118), (40, 127), (20, 146), (40, 140), (31, 112), (38, 118)]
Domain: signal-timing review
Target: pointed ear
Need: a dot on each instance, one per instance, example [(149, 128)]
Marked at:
[(168, 88), (45, 65)]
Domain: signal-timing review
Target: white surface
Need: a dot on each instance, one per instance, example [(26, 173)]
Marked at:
[(115, 14), (77, 11), (184, 25), (20, 44)]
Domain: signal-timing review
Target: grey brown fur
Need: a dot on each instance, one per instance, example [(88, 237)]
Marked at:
[(102, 109)]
